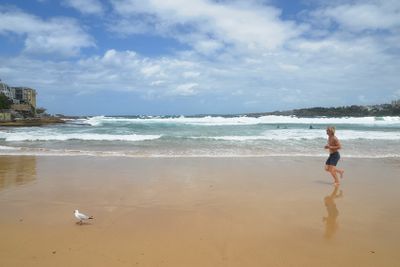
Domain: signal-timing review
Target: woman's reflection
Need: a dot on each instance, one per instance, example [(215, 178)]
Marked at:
[(331, 224)]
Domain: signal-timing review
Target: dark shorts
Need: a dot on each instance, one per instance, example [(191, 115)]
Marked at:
[(333, 159)]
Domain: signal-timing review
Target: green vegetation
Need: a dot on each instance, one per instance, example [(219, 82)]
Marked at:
[(346, 111), (40, 111), (5, 102), (353, 111)]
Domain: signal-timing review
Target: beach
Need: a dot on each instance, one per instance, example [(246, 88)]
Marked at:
[(198, 211)]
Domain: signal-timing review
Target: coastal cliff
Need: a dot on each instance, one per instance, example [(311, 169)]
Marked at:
[(32, 122)]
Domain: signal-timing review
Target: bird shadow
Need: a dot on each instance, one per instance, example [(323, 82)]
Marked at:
[(83, 223)]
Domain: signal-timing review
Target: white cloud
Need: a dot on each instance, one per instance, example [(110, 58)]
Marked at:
[(60, 36), (114, 70), (212, 25), (157, 83), (150, 70), (375, 15), (86, 6), (308, 77), (288, 67), (186, 89), (262, 61), (206, 47), (190, 74)]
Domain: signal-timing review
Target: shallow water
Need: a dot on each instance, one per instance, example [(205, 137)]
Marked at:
[(207, 136)]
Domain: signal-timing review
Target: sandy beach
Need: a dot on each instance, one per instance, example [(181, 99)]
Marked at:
[(267, 211)]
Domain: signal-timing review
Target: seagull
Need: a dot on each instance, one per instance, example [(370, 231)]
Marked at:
[(82, 217)]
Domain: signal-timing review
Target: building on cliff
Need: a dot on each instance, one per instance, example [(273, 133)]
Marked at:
[(25, 95), (23, 98), (7, 91), (5, 115)]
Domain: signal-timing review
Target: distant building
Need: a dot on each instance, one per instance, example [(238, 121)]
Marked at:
[(19, 95), (25, 95), (6, 90), (23, 98), (5, 115), (396, 103)]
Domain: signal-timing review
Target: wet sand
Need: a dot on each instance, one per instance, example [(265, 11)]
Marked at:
[(198, 212)]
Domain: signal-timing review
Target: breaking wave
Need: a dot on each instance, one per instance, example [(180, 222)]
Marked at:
[(242, 120), (16, 137)]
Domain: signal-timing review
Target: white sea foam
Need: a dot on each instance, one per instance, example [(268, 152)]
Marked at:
[(302, 134), (95, 121), (8, 148), (63, 152), (39, 136), (244, 120), (271, 135)]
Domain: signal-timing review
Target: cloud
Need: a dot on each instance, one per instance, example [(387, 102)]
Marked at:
[(190, 74), (206, 46), (312, 77), (242, 53), (288, 67), (93, 7), (186, 89), (62, 36), (360, 16), (207, 25)]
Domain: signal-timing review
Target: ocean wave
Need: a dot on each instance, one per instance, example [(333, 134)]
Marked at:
[(8, 148), (244, 120), (301, 134), (269, 135), (18, 137)]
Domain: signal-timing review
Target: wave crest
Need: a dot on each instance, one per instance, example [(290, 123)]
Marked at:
[(86, 137), (244, 120)]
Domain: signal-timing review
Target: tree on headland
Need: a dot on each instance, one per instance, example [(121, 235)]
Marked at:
[(379, 110), (5, 102), (40, 111)]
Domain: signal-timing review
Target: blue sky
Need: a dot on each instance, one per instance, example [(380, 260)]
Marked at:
[(121, 57)]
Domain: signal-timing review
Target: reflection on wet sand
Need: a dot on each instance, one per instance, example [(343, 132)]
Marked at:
[(330, 221), (17, 170)]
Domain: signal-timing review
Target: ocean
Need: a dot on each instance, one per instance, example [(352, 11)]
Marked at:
[(205, 136)]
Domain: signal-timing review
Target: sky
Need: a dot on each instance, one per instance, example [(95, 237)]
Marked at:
[(184, 57)]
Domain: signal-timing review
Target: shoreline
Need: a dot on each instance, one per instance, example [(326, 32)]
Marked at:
[(111, 155)]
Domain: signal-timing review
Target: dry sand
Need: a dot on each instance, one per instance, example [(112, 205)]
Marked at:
[(198, 212)]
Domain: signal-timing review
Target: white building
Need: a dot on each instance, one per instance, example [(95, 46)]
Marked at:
[(10, 92), (6, 90)]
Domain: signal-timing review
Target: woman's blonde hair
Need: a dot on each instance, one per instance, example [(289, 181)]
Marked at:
[(331, 129)]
